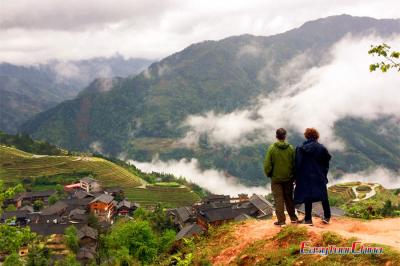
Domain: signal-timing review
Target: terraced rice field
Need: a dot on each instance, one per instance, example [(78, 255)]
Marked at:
[(16, 165), (171, 196)]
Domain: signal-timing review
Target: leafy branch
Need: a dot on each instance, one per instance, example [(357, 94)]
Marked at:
[(391, 58)]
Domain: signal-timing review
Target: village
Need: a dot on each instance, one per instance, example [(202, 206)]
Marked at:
[(87, 200)]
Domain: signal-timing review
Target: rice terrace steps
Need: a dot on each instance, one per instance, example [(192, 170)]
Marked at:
[(17, 165)]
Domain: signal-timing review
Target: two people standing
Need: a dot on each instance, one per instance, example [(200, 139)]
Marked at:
[(307, 166)]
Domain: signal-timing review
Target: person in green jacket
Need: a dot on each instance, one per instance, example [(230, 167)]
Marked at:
[(279, 166)]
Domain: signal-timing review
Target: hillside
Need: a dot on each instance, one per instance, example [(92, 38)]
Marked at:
[(262, 243), (42, 172), (144, 115), (28, 90)]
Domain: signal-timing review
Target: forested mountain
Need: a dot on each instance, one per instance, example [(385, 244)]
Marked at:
[(28, 90), (143, 115)]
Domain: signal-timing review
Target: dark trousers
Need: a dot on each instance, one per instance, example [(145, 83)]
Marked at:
[(283, 196), (308, 209)]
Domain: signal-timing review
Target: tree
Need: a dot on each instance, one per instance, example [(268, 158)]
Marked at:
[(13, 237), (9, 192), (38, 205), (135, 236), (71, 238), (38, 256), (60, 190), (53, 199), (13, 260), (391, 58), (69, 260)]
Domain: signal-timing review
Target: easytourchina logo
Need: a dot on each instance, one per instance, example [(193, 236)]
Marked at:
[(355, 248)]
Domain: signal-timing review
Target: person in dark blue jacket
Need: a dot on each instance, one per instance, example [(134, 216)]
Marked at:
[(311, 170)]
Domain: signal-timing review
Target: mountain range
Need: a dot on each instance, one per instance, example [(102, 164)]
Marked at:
[(143, 116), (28, 90)]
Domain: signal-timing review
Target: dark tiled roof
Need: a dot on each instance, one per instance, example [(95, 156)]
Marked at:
[(124, 203), (78, 215), (262, 204), (48, 228), (242, 217), (17, 214), (73, 203), (189, 230), (103, 198), (56, 208), (222, 214), (87, 231), (34, 194), (80, 194), (27, 208), (184, 213)]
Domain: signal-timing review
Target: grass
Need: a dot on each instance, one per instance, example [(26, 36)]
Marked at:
[(16, 165)]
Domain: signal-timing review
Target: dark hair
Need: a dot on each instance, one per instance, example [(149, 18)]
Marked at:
[(281, 134), (311, 134)]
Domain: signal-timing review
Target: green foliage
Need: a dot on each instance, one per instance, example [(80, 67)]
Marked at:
[(291, 234), (13, 260), (13, 237), (53, 199), (365, 209), (25, 143), (135, 236), (336, 200), (166, 240), (8, 193), (331, 238), (38, 205), (38, 256), (69, 260), (141, 239), (71, 238), (391, 58)]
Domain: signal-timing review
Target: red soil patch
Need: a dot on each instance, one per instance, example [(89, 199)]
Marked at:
[(383, 231)]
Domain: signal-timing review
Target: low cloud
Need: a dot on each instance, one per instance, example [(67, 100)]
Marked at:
[(216, 181), (385, 177), (97, 146), (323, 95)]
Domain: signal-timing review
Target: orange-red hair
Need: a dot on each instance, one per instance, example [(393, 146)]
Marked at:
[(311, 133)]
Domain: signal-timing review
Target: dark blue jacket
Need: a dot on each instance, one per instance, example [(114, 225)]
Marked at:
[(311, 170)]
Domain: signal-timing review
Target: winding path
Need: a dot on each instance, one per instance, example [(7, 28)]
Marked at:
[(367, 195)]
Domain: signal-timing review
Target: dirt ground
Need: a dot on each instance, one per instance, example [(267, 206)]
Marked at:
[(382, 231)]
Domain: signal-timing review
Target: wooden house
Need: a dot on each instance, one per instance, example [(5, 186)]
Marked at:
[(125, 207), (103, 206), (30, 197), (87, 236)]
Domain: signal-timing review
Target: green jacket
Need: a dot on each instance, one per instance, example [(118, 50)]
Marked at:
[(279, 162)]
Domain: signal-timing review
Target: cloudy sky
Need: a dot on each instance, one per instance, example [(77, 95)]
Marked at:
[(36, 31)]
